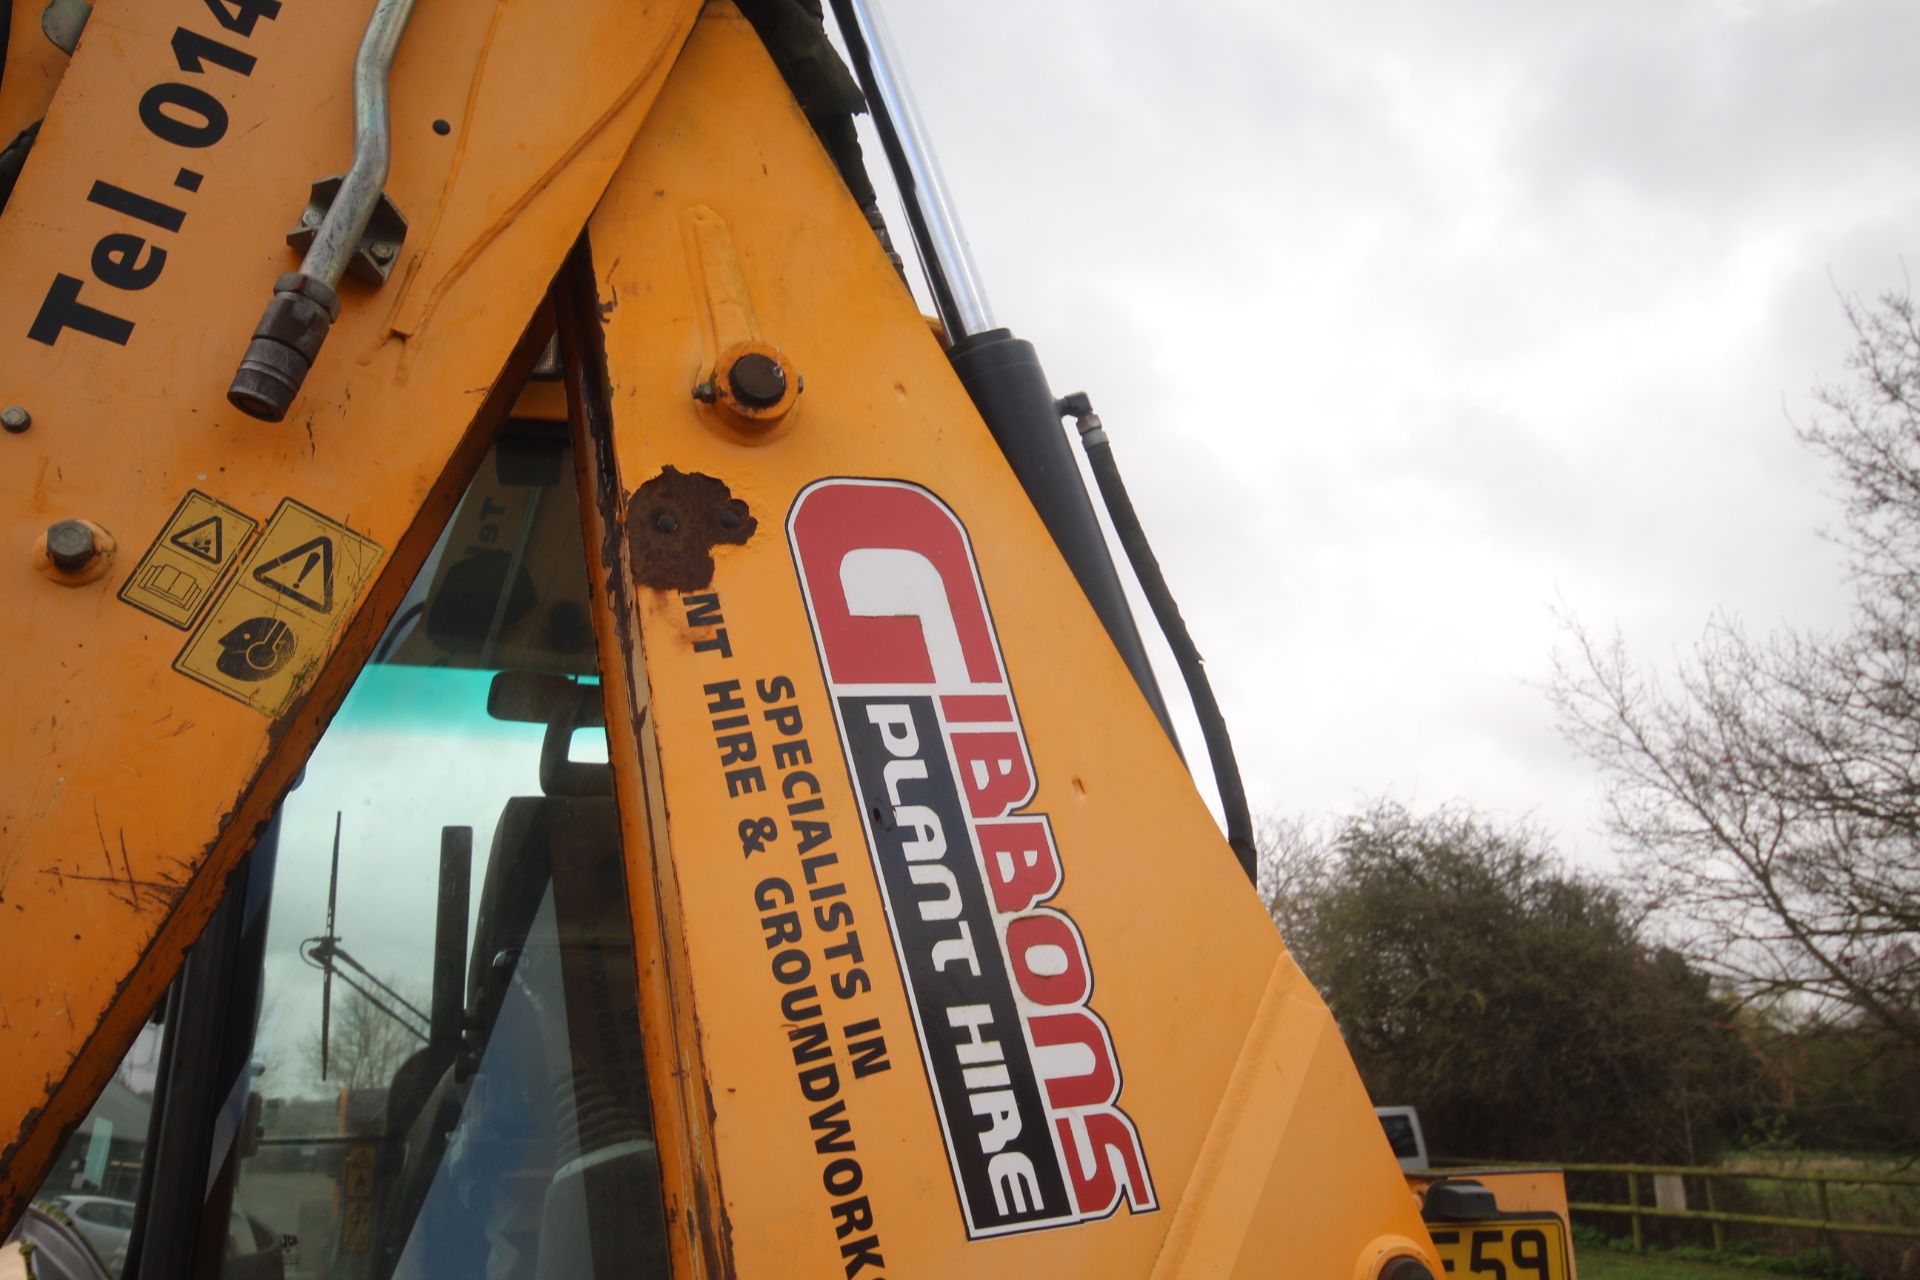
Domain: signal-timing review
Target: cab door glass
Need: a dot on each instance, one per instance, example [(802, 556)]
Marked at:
[(89, 1195), (447, 1076)]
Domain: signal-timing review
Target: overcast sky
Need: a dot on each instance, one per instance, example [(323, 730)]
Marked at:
[(1411, 320)]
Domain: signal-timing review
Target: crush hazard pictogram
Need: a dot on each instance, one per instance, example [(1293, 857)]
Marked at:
[(189, 556), (304, 574), (205, 539)]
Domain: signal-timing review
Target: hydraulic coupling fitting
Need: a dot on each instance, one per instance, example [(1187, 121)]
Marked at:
[(284, 344)]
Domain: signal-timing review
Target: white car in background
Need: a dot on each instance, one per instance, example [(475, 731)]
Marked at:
[(1403, 1135), (105, 1223)]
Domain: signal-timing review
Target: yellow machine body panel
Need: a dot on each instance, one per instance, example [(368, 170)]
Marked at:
[(154, 212), (942, 965), (34, 67), (1530, 1237), (976, 987)]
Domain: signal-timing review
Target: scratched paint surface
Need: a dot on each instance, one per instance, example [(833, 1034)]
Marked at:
[(129, 788)]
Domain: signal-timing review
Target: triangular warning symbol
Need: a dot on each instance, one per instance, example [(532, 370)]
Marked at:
[(203, 540), (304, 574)]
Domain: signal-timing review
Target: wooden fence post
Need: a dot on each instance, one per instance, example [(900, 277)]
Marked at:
[(1826, 1217), (1713, 1206), (1795, 1217)]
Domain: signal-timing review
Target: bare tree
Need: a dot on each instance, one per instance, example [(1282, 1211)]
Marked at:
[(1768, 793), (1296, 861), (365, 1045)]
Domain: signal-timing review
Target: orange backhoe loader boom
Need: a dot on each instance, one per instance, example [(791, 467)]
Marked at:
[(891, 938)]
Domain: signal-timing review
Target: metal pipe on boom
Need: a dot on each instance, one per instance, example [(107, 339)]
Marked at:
[(352, 209), (305, 303)]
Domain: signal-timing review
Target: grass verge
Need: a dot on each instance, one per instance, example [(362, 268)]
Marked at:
[(1605, 1264)]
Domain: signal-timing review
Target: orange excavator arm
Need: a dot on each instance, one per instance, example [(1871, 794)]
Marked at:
[(890, 937)]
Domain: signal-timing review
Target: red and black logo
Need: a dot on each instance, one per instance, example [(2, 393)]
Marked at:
[(1025, 1077)]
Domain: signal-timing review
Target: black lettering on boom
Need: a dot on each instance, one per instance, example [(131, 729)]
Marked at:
[(208, 119), (62, 310), (121, 200), (176, 112)]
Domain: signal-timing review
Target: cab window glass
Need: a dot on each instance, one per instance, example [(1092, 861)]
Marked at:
[(84, 1210), (446, 1076)]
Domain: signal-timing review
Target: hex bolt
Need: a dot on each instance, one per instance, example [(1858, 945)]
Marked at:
[(15, 418), (70, 545), (757, 380), (382, 251), (665, 522)]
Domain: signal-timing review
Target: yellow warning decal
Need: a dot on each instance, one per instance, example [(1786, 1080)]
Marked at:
[(264, 637), (359, 1171), (177, 575)]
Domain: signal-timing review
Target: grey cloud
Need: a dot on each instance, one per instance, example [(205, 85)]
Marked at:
[(1727, 113), (1536, 284)]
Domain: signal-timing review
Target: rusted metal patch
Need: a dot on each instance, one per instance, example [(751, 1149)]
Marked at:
[(675, 521)]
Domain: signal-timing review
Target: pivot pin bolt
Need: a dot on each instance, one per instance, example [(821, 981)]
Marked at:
[(15, 418), (70, 545), (757, 380)]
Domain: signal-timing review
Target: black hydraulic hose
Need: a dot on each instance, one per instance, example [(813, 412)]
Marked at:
[(6, 30), (397, 628), (13, 158), (15, 154), (1193, 668), (945, 302)]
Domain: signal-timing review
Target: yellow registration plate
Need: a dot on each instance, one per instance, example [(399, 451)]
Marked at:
[(1510, 1249)]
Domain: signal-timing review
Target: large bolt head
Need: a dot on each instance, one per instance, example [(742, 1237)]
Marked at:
[(70, 545), (757, 380), (15, 418)]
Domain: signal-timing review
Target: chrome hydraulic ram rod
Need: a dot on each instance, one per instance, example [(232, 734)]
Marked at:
[(1001, 372), (952, 279)]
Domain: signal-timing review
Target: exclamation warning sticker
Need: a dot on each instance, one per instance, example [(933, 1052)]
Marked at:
[(266, 634)]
